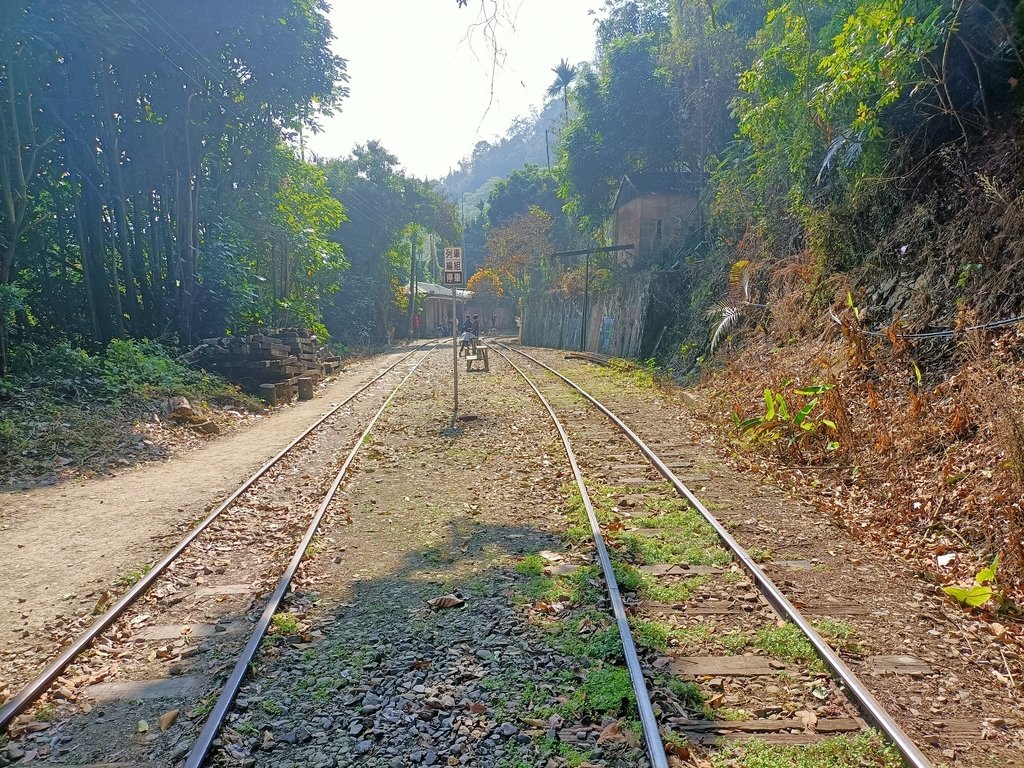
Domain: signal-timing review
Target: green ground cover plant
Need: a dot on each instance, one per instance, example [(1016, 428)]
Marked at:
[(66, 407)]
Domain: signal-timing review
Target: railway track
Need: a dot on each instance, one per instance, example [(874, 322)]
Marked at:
[(177, 630), (715, 652), (745, 662)]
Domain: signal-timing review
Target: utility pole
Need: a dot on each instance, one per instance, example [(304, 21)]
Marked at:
[(586, 281), (433, 259), (412, 285), (586, 295)]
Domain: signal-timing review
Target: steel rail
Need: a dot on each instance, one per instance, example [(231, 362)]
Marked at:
[(213, 723), (869, 705), (652, 735), (34, 689)]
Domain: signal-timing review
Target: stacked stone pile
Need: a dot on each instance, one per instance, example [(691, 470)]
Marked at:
[(276, 365)]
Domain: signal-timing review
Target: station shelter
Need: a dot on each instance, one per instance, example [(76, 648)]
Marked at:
[(435, 311)]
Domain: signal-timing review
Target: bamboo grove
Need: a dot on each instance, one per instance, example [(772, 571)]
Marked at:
[(146, 185)]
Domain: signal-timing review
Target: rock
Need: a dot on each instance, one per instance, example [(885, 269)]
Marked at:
[(364, 746), (207, 428), (14, 752), (430, 757), (179, 409), (508, 730)]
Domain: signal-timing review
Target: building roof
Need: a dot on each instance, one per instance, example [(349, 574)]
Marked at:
[(433, 289), (640, 183)]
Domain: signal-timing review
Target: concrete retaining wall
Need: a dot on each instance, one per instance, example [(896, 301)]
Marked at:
[(616, 318)]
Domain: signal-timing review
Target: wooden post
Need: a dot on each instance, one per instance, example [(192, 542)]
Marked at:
[(269, 393)]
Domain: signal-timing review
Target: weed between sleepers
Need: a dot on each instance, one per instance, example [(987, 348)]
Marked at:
[(862, 750)]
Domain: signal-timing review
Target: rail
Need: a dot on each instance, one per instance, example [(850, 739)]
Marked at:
[(652, 735), (220, 709), (34, 689), (862, 697)]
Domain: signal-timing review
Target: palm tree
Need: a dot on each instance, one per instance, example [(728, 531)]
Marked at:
[(565, 73)]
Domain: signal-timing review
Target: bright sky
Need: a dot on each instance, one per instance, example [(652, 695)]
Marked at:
[(422, 88)]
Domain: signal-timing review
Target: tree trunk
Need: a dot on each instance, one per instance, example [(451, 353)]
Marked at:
[(120, 218), (87, 276)]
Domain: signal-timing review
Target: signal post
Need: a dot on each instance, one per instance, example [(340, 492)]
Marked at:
[(453, 276)]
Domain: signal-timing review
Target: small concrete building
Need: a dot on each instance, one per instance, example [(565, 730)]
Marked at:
[(436, 307), (655, 212)]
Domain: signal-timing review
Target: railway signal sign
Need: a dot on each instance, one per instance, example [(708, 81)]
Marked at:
[(453, 274)]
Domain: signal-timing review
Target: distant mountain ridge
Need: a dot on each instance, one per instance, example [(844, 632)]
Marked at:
[(523, 144)]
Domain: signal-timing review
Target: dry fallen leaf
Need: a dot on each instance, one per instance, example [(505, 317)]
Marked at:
[(612, 734), (477, 708), (446, 601), (809, 719), (167, 719)]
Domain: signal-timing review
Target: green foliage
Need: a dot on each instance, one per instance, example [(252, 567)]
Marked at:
[(792, 429), (162, 200), (626, 110), (863, 750), (79, 406), (605, 691), (387, 211), (531, 565), (985, 588)]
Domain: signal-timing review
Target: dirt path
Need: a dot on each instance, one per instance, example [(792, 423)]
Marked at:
[(62, 546)]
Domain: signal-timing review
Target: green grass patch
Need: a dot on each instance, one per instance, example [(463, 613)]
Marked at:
[(730, 713), (697, 635), (788, 643), (272, 707), (680, 518), (628, 577), (839, 634), (690, 549), (688, 693), (605, 691), (672, 592), (734, 641), (284, 624), (864, 750), (134, 576), (531, 565), (605, 645), (649, 635)]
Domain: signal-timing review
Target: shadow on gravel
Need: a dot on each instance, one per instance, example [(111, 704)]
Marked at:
[(393, 681)]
